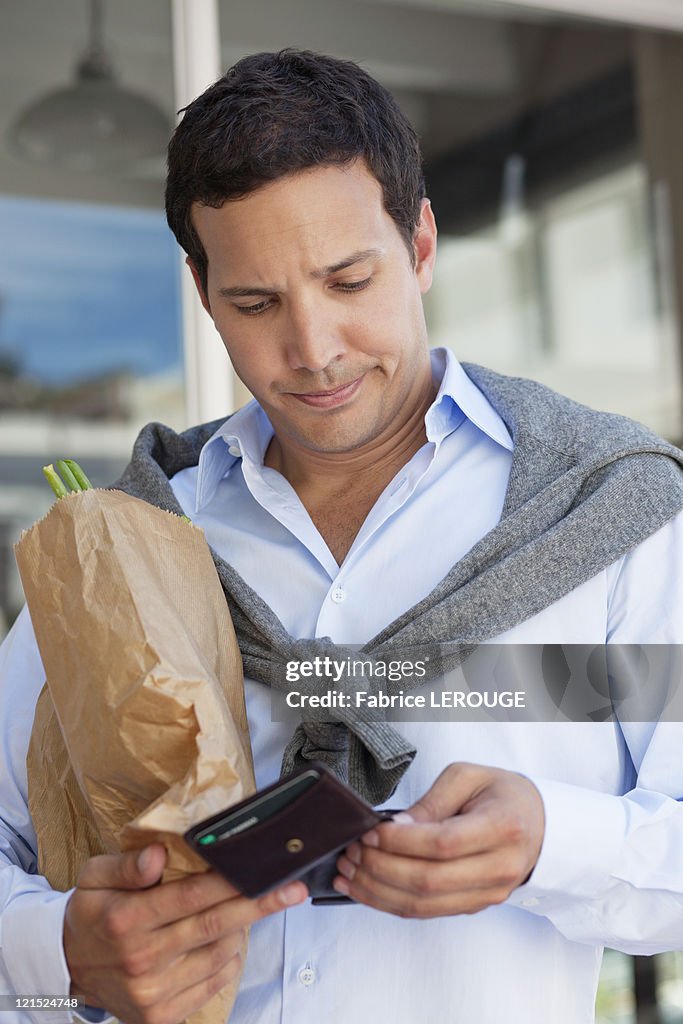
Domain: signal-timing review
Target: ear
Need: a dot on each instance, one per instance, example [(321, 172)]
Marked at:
[(198, 284), (424, 244)]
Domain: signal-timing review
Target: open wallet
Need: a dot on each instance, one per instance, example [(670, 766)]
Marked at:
[(293, 829)]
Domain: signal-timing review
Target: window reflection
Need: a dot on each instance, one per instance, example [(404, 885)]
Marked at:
[(90, 349)]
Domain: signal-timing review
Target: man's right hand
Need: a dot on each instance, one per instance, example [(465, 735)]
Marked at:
[(153, 954)]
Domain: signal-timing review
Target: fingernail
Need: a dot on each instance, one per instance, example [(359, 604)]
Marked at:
[(402, 818), (144, 860), (291, 894), (370, 838), (342, 886)]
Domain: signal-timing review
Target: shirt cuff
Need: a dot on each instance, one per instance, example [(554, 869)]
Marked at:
[(33, 951), (584, 831), (93, 1016)]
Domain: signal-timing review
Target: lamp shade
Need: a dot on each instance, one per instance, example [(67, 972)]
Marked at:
[(93, 125)]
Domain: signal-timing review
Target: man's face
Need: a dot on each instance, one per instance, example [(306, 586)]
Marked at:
[(312, 290)]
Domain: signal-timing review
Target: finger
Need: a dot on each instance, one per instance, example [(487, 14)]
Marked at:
[(183, 898), (474, 832), (453, 789), (168, 980), (415, 905), (219, 921), (135, 869), (199, 993), (429, 878)]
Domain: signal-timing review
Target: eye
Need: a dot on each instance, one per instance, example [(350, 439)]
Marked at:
[(354, 286), (259, 307)]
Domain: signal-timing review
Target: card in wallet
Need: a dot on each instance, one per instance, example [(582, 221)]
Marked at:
[(292, 829)]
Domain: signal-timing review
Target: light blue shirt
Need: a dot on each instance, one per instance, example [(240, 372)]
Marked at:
[(610, 871)]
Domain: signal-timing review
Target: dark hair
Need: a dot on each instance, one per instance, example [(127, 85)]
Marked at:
[(273, 114)]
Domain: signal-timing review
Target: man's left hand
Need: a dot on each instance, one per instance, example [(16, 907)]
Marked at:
[(474, 837)]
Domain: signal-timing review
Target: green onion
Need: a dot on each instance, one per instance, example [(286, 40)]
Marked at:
[(67, 476), (72, 477), (83, 482), (55, 481)]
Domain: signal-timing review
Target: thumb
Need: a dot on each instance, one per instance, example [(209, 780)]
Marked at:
[(135, 869), (457, 785)]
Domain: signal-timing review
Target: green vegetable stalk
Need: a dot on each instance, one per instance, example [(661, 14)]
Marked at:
[(72, 478)]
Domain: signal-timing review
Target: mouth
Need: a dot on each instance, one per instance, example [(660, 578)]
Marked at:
[(332, 398)]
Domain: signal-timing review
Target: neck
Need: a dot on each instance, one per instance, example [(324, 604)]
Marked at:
[(376, 462)]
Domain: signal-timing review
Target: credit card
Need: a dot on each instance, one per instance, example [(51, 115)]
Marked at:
[(257, 810)]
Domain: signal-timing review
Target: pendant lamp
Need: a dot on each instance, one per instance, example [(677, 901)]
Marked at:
[(95, 124)]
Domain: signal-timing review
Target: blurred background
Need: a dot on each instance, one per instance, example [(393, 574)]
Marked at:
[(554, 160)]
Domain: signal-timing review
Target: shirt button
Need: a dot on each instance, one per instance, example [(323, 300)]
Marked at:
[(306, 975), (234, 450), (338, 595), (533, 901)]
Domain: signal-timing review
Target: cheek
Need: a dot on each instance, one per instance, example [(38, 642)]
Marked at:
[(238, 352)]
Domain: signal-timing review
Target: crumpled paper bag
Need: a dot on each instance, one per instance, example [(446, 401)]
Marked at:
[(141, 728)]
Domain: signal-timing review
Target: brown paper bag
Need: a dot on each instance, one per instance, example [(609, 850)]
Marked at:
[(141, 729)]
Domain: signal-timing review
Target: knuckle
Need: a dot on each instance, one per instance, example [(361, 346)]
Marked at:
[(492, 897), (445, 845), (507, 874), (371, 864), (475, 904), (265, 905), (220, 955), (117, 920), (190, 893), (424, 881), (151, 998), (460, 770), (513, 828), (210, 925), (223, 977), (234, 945), (453, 770), (135, 963), (409, 908), (253, 909), (499, 896), (144, 993)]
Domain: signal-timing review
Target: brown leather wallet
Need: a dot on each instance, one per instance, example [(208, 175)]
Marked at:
[(292, 829)]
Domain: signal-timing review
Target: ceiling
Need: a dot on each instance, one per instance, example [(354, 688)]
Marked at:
[(458, 67)]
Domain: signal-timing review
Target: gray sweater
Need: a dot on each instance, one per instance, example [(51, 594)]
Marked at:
[(585, 487)]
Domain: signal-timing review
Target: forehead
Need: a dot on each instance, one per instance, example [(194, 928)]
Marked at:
[(316, 216)]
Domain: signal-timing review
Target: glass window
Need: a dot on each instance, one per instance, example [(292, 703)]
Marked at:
[(576, 298), (90, 324)]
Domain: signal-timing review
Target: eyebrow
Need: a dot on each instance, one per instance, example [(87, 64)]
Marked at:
[(241, 291)]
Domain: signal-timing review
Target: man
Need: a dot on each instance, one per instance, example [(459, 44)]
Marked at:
[(366, 472)]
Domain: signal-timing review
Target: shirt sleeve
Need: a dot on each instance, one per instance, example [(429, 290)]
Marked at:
[(611, 868), (32, 958)]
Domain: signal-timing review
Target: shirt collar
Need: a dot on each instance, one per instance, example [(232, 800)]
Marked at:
[(458, 398), (247, 433)]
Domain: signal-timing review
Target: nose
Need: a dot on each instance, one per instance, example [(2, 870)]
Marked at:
[(314, 338)]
